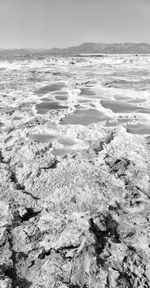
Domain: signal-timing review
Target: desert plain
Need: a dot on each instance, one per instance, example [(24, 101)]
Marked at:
[(75, 172)]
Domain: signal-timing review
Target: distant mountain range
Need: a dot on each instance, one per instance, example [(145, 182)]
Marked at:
[(100, 48), (85, 48)]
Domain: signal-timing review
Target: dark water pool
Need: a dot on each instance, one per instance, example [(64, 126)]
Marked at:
[(61, 93), (48, 98), (86, 92), (61, 98), (84, 101), (44, 107), (84, 117), (138, 128), (137, 100), (123, 107), (119, 97), (143, 110), (50, 88)]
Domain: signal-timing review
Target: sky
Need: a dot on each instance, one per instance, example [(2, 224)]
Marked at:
[(64, 23)]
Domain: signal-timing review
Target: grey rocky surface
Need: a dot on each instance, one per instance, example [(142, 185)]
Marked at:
[(75, 220)]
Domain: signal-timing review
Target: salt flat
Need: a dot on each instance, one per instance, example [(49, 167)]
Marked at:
[(74, 172)]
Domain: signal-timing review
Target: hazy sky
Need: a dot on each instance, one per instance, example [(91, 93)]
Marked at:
[(62, 23)]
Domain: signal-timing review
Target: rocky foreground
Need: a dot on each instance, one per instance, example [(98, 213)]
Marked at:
[(80, 219)]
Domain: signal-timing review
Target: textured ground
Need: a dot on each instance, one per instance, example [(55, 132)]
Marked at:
[(75, 199)]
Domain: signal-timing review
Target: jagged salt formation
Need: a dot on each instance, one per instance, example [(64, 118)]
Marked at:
[(82, 221)]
